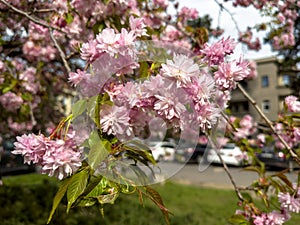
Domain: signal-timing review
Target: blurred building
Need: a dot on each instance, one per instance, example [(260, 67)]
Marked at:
[(272, 85)]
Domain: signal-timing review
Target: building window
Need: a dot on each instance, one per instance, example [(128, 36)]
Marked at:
[(265, 106), (286, 80), (245, 106), (265, 81)]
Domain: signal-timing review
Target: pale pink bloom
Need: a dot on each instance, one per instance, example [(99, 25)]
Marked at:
[(246, 122), (126, 38), (222, 98), (229, 73), (115, 120), (292, 103), (61, 159), (1, 65), (137, 26), (272, 218), (253, 69), (171, 33), (107, 41), (188, 13), (32, 147), (296, 132), (89, 52), (289, 203), (60, 5), (181, 68), (29, 80), (161, 3), (170, 100), (76, 78), (261, 138), (10, 101), (38, 32), (214, 54), (206, 115), (18, 127)]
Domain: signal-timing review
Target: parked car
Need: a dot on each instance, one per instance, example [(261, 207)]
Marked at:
[(11, 164), (190, 153), (230, 153), (163, 151), (272, 157)]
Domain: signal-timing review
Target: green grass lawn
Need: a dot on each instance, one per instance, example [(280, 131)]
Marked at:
[(27, 199)]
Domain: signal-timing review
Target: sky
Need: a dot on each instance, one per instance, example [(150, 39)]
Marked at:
[(244, 17)]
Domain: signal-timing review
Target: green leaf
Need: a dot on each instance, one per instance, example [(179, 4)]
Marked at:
[(144, 69), (79, 107), (98, 150), (238, 220), (58, 197), (77, 186), (69, 18)]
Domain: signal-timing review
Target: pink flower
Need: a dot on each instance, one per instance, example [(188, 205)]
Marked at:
[(59, 158), (32, 147), (89, 51), (10, 101), (115, 120), (188, 14), (137, 26), (107, 41), (229, 73), (29, 80), (181, 69), (171, 101), (76, 78), (214, 54), (292, 103), (62, 158), (289, 203)]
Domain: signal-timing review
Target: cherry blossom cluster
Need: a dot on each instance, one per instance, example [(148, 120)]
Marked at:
[(289, 203), (284, 13), (244, 127), (57, 157)]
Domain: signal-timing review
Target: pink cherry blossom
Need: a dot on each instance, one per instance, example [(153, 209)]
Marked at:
[(181, 69), (59, 158), (115, 120), (214, 54), (229, 73), (292, 103), (10, 101)]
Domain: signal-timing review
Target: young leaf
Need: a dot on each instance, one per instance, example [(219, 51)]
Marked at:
[(58, 197), (79, 107), (77, 186), (156, 198), (238, 220), (98, 150)]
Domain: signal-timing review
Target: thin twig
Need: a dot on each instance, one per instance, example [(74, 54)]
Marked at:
[(61, 53), (33, 19), (230, 14), (269, 123), (216, 147)]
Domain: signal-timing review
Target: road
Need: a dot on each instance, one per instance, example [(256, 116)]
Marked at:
[(211, 175)]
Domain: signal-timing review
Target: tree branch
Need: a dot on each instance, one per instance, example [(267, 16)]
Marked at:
[(61, 53), (269, 123), (33, 19), (216, 147)]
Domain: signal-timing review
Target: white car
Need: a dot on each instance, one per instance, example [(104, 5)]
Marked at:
[(163, 151), (230, 153)]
